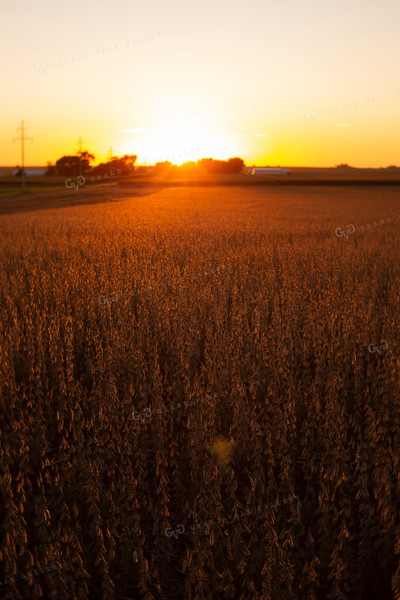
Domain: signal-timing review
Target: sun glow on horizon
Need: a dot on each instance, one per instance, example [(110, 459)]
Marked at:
[(182, 140)]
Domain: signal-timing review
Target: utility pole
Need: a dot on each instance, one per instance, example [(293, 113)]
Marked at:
[(22, 129), (80, 153), (110, 153)]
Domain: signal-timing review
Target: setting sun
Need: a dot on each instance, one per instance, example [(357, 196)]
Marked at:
[(181, 140)]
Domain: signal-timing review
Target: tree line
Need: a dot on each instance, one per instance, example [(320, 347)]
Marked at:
[(80, 164), (204, 165)]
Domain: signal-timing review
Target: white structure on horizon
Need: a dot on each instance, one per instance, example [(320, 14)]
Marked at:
[(268, 171), (31, 171)]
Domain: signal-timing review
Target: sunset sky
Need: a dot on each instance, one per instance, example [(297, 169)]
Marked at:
[(284, 82)]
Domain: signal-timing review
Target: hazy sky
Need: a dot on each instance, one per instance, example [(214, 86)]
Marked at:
[(292, 82)]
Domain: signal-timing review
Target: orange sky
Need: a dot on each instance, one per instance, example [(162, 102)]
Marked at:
[(275, 81)]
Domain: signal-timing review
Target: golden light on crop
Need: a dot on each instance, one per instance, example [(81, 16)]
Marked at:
[(66, 357), (222, 448)]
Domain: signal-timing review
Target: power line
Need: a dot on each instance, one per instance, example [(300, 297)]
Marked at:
[(22, 129), (80, 153)]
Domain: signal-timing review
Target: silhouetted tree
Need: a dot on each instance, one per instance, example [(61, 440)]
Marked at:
[(235, 165), (86, 159), (116, 166), (210, 165), (188, 167), (69, 165), (162, 167), (51, 169)]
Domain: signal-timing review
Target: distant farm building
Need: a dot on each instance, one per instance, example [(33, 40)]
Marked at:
[(31, 172), (268, 171)]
